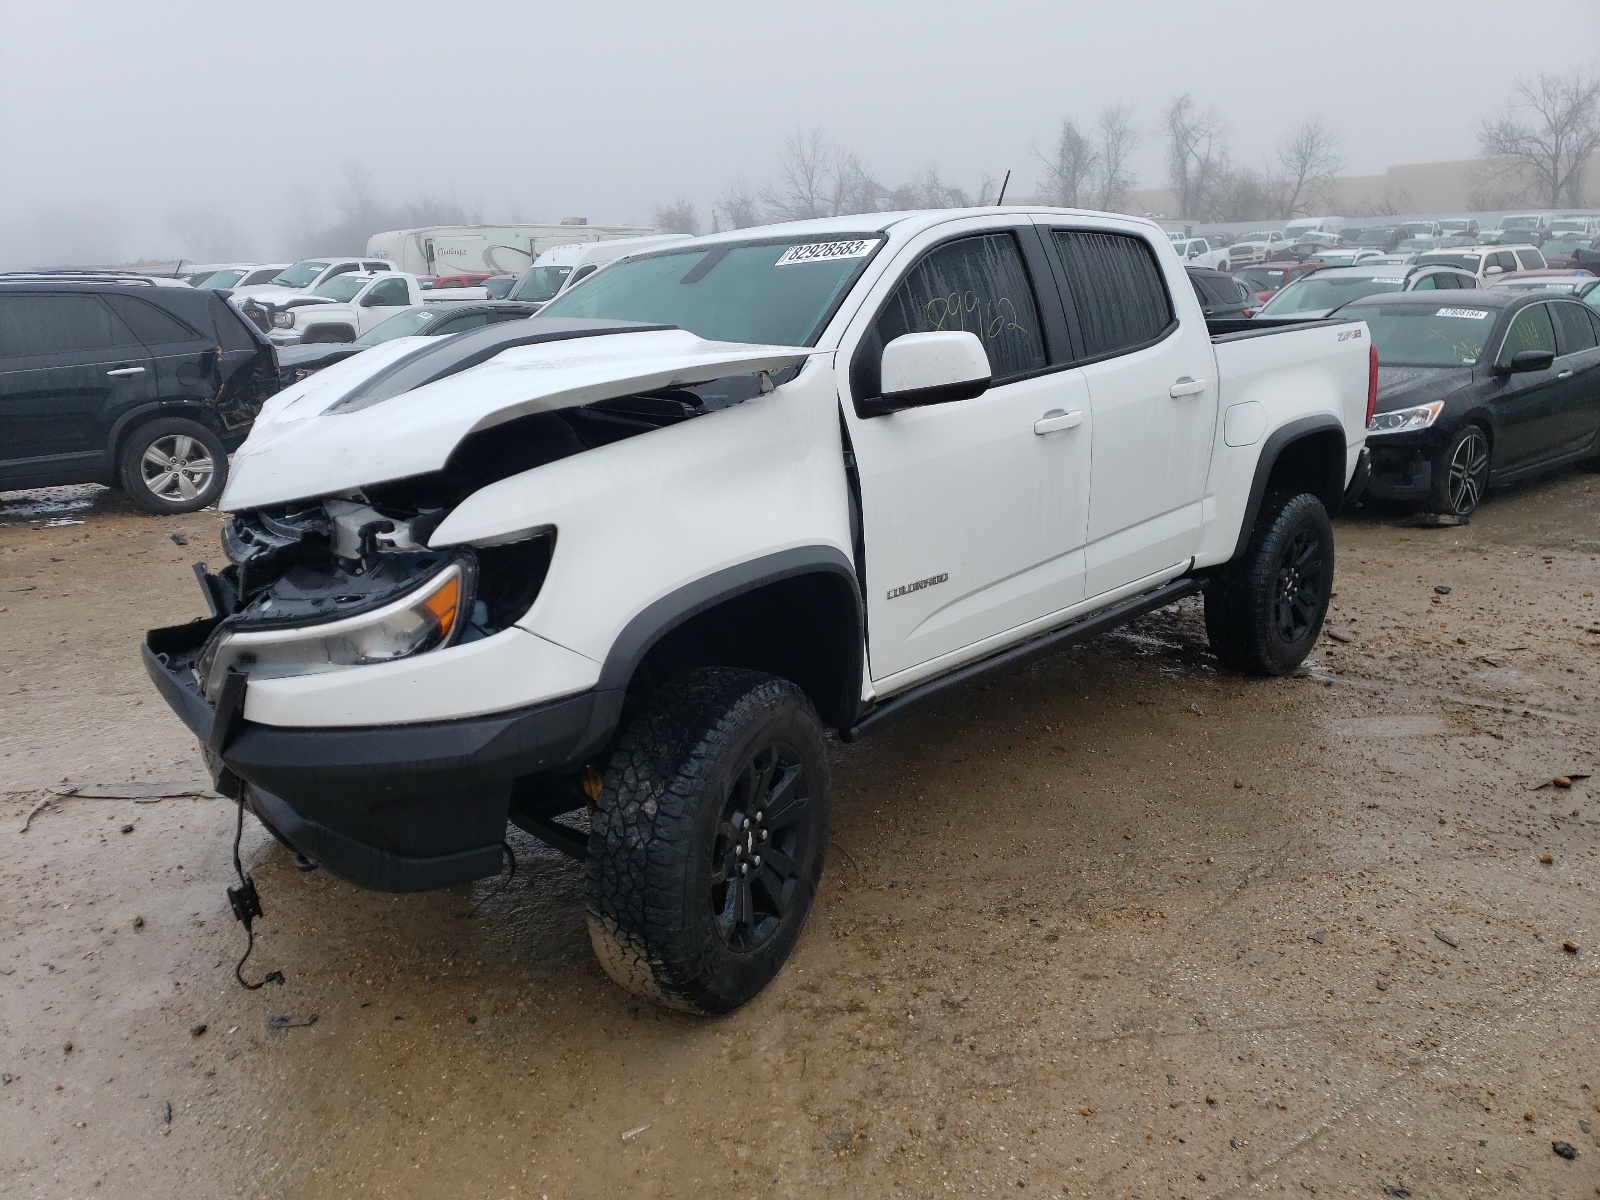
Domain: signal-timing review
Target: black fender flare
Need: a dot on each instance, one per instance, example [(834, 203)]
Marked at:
[(1276, 442), (190, 410), (662, 616)]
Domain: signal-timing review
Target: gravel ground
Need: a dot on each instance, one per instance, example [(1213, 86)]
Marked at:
[(1119, 925)]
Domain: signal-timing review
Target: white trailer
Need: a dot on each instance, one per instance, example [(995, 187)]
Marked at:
[(497, 249)]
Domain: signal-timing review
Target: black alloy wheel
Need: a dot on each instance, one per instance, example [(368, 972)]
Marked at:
[(1300, 598), (1461, 473), (761, 841)]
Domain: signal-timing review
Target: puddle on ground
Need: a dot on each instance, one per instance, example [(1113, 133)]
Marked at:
[(54, 504)]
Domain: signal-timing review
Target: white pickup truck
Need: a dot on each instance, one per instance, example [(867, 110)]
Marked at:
[(344, 307), (1197, 252), (1254, 248), (631, 557)]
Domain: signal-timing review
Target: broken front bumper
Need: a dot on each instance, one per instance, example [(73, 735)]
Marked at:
[(397, 808)]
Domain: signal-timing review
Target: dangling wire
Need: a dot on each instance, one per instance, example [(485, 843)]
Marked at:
[(246, 907)]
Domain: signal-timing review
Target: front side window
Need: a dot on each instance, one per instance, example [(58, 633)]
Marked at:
[(391, 293), (977, 284), (1117, 290), (43, 324), (221, 280), (1426, 284), (1531, 330), (777, 293)]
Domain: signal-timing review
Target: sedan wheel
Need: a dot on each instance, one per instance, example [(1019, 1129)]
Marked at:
[(177, 468), (1461, 473)]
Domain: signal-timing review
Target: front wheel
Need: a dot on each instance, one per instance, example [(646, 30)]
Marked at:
[(172, 465), (707, 841), (1460, 473), (1265, 609)]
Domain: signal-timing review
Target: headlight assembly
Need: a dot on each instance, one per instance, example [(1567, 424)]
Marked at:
[(1405, 420), (283, 319), (425, 618)]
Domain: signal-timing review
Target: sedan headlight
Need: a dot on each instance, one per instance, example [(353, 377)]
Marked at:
[(283, 319), (424, 619), (1405, 420)]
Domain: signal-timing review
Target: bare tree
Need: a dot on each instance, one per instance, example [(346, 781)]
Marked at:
[(1195, 152), (801, 190), (1546, 134), (1308, 162), (1238, 193), (738, 206), (1118, 139), (1069, 167), (852, 188), (677, 217)]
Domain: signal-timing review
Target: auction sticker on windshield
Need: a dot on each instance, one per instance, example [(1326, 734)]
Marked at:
[(1471, 314), (823, 251)]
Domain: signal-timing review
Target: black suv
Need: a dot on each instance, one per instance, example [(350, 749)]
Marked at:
[(127, 384)]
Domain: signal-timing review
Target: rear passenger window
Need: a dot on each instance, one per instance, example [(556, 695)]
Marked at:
[(1531, 330), (1117, 289), (1427, 283), (1572, 325), (44, 324), (978, 284), (149, 324), (1531, 260)]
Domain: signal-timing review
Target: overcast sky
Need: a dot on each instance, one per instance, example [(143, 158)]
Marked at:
[(116, 117)]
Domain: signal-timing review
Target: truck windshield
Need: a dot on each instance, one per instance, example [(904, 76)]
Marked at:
[(300, 274), (771, 292), (1317, 293), (540, 284), (340, 287), (1427, 337)]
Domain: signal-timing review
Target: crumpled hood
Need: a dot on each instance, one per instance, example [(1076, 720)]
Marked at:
[(298, 449), (1406, 387)]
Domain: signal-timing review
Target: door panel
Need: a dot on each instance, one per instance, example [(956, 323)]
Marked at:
[(68, 368), (1579, 362), (973, 523), (1153, 394), (1529, 414)]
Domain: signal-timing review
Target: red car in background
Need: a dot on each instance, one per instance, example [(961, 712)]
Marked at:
[(1563, 252), (460, 279), (1268, 279)]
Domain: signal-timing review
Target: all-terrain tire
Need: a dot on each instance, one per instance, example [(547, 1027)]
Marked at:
[(1265, 609), (1460, 473), (172, 465), (721, 769)]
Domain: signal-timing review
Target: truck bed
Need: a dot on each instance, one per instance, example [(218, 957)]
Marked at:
[(1234, 329)]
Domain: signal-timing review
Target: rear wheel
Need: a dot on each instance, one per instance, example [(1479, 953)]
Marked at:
[(1460, 473), (172, 465), (707, 841), (1265, 609)]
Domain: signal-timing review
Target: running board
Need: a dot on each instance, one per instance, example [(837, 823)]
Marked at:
[(922, 695)]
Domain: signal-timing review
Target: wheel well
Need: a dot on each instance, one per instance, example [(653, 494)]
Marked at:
[(132, 424), (805, 628), (1312, 463), (321, 334)]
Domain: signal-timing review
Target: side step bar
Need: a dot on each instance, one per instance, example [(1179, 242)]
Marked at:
[(923, 694)]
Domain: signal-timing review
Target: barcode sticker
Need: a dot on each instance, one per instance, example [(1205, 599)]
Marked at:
[(823, 251)]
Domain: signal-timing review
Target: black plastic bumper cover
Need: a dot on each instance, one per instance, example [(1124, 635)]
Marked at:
[(398, 808)]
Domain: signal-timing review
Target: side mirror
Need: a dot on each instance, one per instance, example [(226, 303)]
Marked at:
[(930, 368), (1531, 360), (1494, 270)]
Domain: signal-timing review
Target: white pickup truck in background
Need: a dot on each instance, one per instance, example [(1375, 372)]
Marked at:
[(306, 275), (1197, 252), (344, 307), (622, 558)]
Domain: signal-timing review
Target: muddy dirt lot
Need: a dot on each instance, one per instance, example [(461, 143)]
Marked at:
[(1117, 926)]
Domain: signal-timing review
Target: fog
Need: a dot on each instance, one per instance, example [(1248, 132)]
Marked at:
[(204, 130)]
